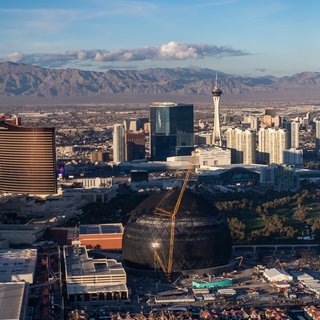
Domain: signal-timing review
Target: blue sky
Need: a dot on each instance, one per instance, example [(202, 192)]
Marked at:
[(244, 37)]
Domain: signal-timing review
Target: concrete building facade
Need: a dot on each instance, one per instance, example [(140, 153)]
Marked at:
[(294, 134), (119, 151), (242, 144), (212, 156), (104, 236), (17, 265), (89, 279), (272, 143)]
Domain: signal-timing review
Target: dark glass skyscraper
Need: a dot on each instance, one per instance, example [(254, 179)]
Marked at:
[(171, 130), (27, 159)]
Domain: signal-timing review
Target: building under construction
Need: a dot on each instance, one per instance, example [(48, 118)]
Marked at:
[(196, 236)]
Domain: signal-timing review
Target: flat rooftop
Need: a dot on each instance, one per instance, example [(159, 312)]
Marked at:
[(17, 262), (12, 300), (19, 227), (101, 228), (79, 264)]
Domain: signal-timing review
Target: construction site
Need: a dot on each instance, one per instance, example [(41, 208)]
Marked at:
[(176, 231)]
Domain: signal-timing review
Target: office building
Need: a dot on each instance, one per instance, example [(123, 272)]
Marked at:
[(294, 134), (272, 143), (17, 265), (216, 93), (254, 123), (11, 119), (203, 138), (103, 236), (97, 182), (280, 178), (135, 145), (242, 144), (27, 159), (212, 156), (317, 122), (89, 279), (293, 156), (270, 111), (134, 125), (171, 130), (306, 119), (99, 156), (119, 151)]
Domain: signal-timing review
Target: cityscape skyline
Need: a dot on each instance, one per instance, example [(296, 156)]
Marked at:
[(154, 207), (65, 226), (233, 36)]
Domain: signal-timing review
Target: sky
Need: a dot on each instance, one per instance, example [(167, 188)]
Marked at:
[(241, 37)]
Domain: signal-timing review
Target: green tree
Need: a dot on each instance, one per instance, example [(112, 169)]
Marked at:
[(237, 228), (301, 213)]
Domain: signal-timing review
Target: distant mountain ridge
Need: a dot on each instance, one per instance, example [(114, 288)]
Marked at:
[(21, 79)]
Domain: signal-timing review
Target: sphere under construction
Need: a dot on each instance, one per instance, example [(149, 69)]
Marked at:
[(202, 239)]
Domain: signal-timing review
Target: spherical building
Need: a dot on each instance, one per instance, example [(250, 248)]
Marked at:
[(202, 239)]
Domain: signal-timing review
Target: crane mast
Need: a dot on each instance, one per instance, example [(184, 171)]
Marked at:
[(167, 269)]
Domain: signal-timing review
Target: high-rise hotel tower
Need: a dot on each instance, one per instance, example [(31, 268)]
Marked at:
[(119, 144), (171, 130), (27, 158), (216, 93), (272, 144), (242, 144)]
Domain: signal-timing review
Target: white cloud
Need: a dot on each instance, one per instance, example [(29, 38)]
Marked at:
[(174, 50), (14, 57), (170, 51)]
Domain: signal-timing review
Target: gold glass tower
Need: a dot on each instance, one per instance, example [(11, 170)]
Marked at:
[(27, 159)]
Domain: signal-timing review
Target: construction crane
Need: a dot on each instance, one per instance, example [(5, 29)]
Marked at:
[(167, 268), (240, 261), (279, 264)]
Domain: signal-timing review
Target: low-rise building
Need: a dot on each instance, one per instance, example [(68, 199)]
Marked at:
[(275, 275), (17, 265), (104, 236), (102, 195), (89, 279), (280, 177), (17, 234), (13, 300), (212, 156)]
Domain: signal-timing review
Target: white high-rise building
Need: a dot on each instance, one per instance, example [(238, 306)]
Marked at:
[(119, 144), (293, 156), (254, 123), (272, 143), (294, 134), (317, 137), (242, 144)]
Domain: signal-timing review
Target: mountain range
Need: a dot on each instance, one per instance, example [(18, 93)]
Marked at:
[(29, 80)]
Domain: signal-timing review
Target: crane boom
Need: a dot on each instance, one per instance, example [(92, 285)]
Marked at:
[(167, 267), (157, 258), (173, 219)]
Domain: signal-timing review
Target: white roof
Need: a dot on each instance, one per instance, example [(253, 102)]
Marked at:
[(274, 274), (11, 300), (17, 262)]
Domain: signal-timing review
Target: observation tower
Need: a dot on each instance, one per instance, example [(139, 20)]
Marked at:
[(216, 93)]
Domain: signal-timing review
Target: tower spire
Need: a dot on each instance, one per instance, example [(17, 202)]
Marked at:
[(216, 93)]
